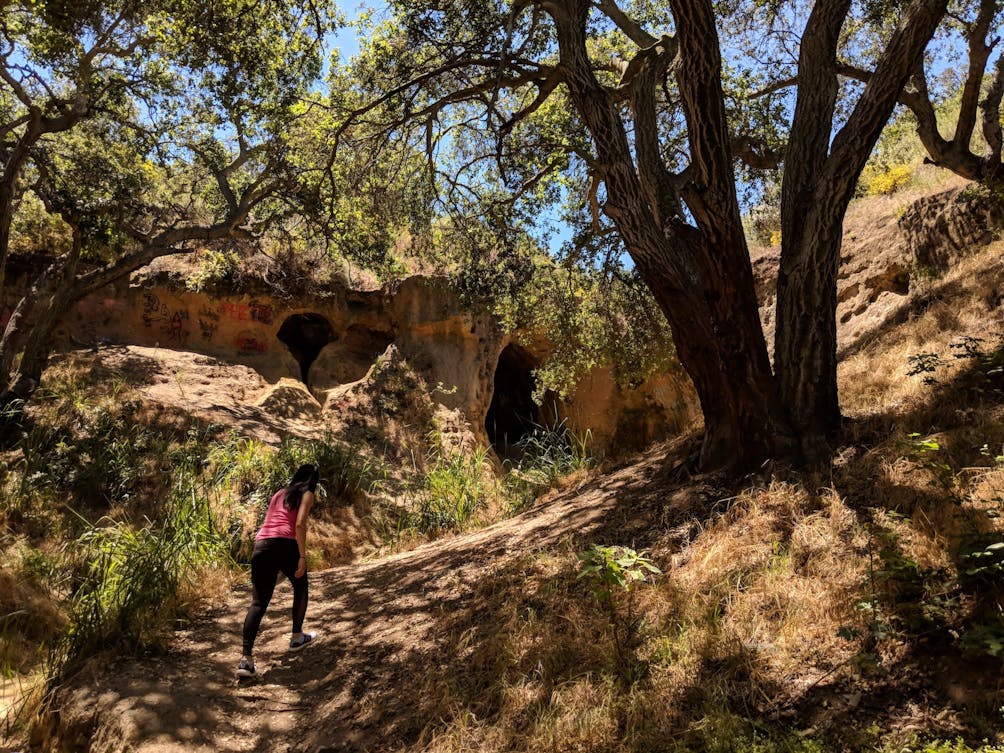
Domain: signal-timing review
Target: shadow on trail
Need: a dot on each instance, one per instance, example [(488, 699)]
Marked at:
[(440, 630)]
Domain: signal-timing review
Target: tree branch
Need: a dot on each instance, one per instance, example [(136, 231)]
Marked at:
[(991, 105), (631, 28), (756, 153), (979, 53)]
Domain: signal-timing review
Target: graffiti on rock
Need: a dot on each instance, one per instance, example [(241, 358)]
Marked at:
[(261, 312), (153, 310), (248, 343), (247, 312), (207, 328), (209, 314), (170, 323)]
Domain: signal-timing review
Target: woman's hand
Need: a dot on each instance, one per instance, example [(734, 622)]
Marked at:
[(301, 570)]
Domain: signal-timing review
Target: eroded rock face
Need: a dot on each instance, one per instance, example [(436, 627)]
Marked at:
[(940, 229), (316, 357), (881, 254), (289, 399), (630, 420)]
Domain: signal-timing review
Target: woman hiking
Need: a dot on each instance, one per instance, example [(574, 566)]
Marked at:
[(280, 546)]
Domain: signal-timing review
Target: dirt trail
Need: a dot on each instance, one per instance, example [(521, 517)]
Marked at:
[(380, 622)]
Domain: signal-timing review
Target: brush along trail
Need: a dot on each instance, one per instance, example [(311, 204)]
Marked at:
[(380, 625)]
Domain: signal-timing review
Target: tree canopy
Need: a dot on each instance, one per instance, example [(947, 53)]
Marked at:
[(147, 128), (642, 124), (154, 128)]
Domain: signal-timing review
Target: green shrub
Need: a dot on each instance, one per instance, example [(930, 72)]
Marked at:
[(456, 489), (217, 269), (256, 470), (89, 455), (545, 455), (613, 572), (958, 745), (129, 578)]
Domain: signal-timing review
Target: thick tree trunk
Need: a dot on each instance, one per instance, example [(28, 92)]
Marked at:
[(738, 430), (6, 218), (707, 303), (27, 337), (805, 344), (730, 292), (819, 180)]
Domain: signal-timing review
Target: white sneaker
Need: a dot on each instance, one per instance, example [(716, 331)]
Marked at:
[(246, 668), (295, 644)]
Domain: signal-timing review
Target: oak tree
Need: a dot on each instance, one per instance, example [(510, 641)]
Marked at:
[(148, 128), (629, 111)]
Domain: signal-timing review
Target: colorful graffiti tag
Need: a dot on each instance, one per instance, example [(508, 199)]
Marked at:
[(248, 343), (247, 312)]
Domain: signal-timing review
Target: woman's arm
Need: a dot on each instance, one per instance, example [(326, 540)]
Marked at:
[(301, 531)]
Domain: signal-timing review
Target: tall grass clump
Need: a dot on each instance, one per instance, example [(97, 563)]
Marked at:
[(255, 470), (248, 472), (133, 581), (95, 454), (546, 455), (457, 488)]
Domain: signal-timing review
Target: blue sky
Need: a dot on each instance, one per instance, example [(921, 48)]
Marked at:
[(346, 39)]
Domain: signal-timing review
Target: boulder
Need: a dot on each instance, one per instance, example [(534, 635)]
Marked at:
[(289, 398), (941, 228)]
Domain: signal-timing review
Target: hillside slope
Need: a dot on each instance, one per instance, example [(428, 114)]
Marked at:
[(387, 628), (833, 610)]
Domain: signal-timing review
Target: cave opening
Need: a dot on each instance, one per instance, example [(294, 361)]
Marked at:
[(513, 414), (304, 335)]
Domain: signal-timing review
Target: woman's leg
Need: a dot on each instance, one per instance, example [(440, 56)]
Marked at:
[(264, 571), (299, 586), (299, 602)]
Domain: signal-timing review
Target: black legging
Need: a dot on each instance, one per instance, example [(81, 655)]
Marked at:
[(269, 558)]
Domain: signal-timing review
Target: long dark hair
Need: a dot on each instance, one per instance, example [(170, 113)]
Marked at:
[(304, 480)]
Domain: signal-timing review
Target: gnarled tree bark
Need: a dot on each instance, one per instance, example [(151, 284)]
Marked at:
[(701, 276), (818, 184)]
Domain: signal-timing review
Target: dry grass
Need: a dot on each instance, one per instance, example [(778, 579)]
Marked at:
[(839, 605), (31, 618), (796, 613), (746, 614), (938, 313), (760, 611)]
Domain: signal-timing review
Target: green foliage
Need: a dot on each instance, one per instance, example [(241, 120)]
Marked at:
[(613, 573), (986, 375), (763, 222), (36, 231), (613, 567), (130, 578), (958, 745), (721, 731), (544, 456), (256, 470), (98, 453), (927, 453), (218, 270), (894, 158), (591, 318), (457, 487)]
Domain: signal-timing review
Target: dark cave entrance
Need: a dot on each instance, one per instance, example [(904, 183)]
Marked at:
[(305, 335), (513, 414)]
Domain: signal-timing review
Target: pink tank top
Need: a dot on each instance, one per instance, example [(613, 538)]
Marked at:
[(280, 523)]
